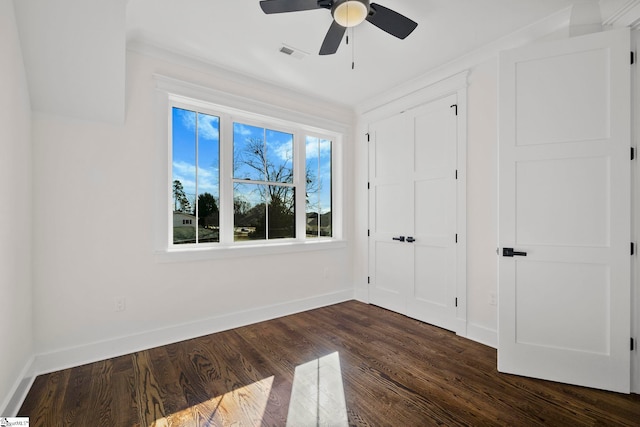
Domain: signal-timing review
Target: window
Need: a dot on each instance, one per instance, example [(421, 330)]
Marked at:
[(318, 187), (195, 177), (239, 178), (263, 187)]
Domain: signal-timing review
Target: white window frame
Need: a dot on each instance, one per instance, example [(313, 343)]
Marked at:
[(229, 108)]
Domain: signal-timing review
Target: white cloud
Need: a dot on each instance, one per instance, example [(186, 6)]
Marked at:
[(242, 130), (315, 147), (207, 178), (284, 151), (208, 126)]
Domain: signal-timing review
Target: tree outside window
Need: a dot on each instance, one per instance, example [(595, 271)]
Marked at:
[(262, 181)]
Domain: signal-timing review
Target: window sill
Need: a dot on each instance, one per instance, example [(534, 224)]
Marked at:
[(244, 250)]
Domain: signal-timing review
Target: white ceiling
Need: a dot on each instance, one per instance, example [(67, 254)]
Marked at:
[(238, 36), (75, 50)]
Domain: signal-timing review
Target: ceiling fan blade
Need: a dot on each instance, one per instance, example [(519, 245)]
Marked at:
[(281, 6), (332, 39), (391, 21)]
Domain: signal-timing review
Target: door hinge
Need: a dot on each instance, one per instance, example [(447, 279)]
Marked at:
[(456, 237), (456, 173), (368, 279), (456, 107), (456, 302), (368, 137), (633, 59), (633, 153), (633, 249), (633, 347), (368, 233)]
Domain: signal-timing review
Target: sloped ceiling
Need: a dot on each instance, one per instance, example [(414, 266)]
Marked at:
[(75, 50), (74, 53)]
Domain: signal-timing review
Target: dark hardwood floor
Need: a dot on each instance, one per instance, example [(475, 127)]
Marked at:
[(347, 364)]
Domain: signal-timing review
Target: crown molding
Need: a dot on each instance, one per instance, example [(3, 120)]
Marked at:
[(627, 16), (140, 45), (535, 31)]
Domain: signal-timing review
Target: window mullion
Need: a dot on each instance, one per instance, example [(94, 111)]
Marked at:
[(195, 203), (226, 182), (267, 200), (299, 179)]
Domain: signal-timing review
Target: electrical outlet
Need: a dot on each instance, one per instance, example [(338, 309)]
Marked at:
[(493, 300), (120, 304)]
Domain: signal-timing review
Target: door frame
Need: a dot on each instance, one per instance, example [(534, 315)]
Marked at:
[(635, 213), (454, 85)]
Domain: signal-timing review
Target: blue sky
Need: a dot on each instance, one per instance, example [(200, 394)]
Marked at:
[(184, 152), (278, 148)]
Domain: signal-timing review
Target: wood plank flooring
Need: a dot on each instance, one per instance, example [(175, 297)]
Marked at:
[(347, 364)]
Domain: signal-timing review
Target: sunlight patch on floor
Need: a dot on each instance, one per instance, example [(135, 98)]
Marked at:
[(242, 406), (317, 396)]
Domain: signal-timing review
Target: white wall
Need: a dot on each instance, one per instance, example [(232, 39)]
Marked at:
[(88, 176), (482, 185), (16, 336)]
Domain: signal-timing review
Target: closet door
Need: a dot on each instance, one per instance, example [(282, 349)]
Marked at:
[(390, 212), (432, 294), (564, 211), (413, 212)]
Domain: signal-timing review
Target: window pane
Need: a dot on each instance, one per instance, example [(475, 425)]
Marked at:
[(195, 140), (208, 178), (183, 175), (262, 154), (249, 212), (279, 154), (249, 155), (263, 212), (318, 187), (324, 189), (281, 218)]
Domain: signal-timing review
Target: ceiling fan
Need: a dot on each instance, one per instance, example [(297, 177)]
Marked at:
[(346, 13)]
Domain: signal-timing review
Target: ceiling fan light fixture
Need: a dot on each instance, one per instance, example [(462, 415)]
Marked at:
[(350, 13)]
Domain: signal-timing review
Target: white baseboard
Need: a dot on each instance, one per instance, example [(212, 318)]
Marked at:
[(361, 294), (482, 334), (13, 401), (93, 352)]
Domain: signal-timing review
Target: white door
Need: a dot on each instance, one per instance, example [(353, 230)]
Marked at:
[(390, 212), (413, 213), (564, 210)]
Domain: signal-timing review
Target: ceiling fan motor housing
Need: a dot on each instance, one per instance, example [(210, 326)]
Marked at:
[(349, 13)]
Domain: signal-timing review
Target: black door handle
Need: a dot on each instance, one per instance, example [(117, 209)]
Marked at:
[(410, 239), (511, 253), (399, 239)]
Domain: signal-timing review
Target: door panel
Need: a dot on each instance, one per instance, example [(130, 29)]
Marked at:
[(431, 208), (391, 213), (431, 270), (554, 286), (543, 215), (391, 267), (546, 81), (564, 200), (392, 273)]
